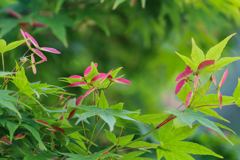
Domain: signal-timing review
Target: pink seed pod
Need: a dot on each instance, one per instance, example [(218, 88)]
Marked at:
[(180, 86), (205, 64)]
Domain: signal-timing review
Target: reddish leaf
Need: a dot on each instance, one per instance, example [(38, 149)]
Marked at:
[(79, 100), (50, 130), (76, 76), (189, 97), (61, 97), (60, 117), (220, 99), (64, 158), (65, 107), (90, 91), (186, 73), (196, 80), (223, 78), (40, 54), (188, 68), (106, 152), (6, 140), (98, 77), (32, 40), (36, 24), (58, 129), (41, 121), (214, 80), (72, 113), (180, 86), (25, 37), (88, 70), (124, 81), (14, 14), (52, 50), (205, 64), (77, 84), (19, 136)]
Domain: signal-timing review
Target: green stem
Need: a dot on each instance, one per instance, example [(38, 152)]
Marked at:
[(116, 149), (216, 105), (97, 134), (119, 137), (7, 80), (92, 135), (3, 65), (163, 123), (84, 133)]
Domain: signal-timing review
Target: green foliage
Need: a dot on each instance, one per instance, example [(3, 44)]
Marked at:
[(189, 116), (236, 94), (215, 51), (106, 114), (49, 132), (197, 54), (172, 147)]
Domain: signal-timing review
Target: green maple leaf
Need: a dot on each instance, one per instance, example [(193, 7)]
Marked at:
[(107, 114), (188, 116), (172, 147)]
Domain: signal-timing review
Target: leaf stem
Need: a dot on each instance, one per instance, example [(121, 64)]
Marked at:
[(160, 125), (138, 147), (97, 133), (119, 137), (94, 127), (216, 105), (107, 86), (85, 133), (3, 65)]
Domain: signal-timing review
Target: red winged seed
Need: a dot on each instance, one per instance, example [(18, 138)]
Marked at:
[(196, 80), (19, 136), (36, 24), (188, 68), (60, 117), (72, 113), (180, 86), (186, 73), (214, 80), (76, 76), (223, 78), (79, 100), (41, 121), (220, 99), (98, 77), (58, 129), (124, 81), (205, 64), (32, 40), (14, 14), (50, 130), (189, 97), (25, 37), (52, 50), (40, 54), (88, 70)]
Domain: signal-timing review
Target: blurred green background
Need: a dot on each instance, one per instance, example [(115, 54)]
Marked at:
[(138, 35)]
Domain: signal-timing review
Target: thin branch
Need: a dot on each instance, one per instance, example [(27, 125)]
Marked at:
[(119, 137)]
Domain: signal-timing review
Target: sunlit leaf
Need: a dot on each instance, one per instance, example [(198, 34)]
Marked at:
[(215, 51), (197, 54)]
